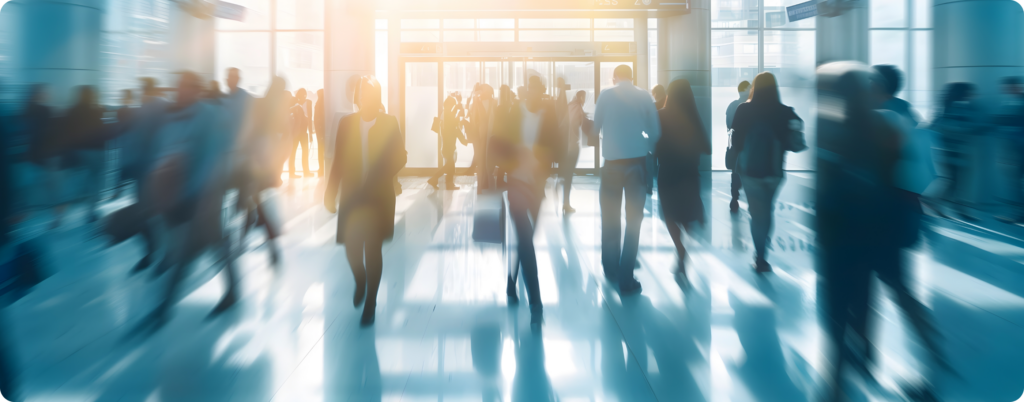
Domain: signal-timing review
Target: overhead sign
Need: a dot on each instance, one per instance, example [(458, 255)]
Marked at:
[(412, 47), (229, 11), (802, 11)]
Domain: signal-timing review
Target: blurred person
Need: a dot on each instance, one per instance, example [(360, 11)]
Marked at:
[(679, 151), (213, 91), (83, 120), (450, 132), (1010, 117), (370, 152), (730, 114), (124, 120), (660, 96), (958, 125), (521, 93), (138, 157), (38, 122), (892, 84), (320, 126), (567, 167), (301, 127), (764, 129), (561, 99), (481, 114), (529, 141), (624, 114), (506, 102)]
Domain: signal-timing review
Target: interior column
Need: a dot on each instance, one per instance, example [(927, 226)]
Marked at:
[(843, 37), (642, 59), (350, 32), (684, 52)]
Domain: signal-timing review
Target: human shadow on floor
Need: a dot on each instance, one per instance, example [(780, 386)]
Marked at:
[(765, 372)]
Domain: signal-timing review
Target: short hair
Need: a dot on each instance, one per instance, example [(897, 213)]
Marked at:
[(148, 85), (234, 70), (893, 78), (301, 91), (659, 90), (744, 86), (1012, 81), (623, 71)]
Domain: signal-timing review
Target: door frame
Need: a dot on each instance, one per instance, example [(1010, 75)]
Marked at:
[(440, 60)]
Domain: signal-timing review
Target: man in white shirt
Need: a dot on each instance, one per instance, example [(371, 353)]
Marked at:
[(630, 127)]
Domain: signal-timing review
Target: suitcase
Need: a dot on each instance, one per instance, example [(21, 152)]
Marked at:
[(489, 218)]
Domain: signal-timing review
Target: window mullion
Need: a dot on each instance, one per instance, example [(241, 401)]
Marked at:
[(760, 36)]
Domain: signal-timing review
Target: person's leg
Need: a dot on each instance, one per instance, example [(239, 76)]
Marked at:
[(449, 167), (480, 161), (567, 172), (650, 166), (611, 214), (372, 249), (290, 162), (95, 164), (304, 141), (320, 146), (734, 204), (355, 236), (635, 189), (520, 207), (760, 207)]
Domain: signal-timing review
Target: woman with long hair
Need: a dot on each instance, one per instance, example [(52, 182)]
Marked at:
[(763, 130), (958, 122), (679, 149)]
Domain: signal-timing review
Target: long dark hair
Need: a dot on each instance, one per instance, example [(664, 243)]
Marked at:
[(765, 90), (955, 92), (683, 105)]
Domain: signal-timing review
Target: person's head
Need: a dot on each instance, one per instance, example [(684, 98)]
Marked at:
[(234, 77), (504, 95), (190, 88), (126, 97), (892, 79), (368, 97), (300, 95), (484, 92), (743, 87), (659, 96), (37, 94), (766, 89), (957, 92), (581, 97), (1013, 86), (149, 86), (622, 73), (87, 96), (534, 93)]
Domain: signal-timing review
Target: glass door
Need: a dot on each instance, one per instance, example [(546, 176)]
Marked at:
[(421, 106), (459, 78), (579, 76)]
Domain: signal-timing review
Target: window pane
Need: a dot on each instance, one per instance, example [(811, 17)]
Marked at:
[(496, 36), (617, 35), (888, 13), (580, 76), (300, 60), (420, 109), (300, 14), (257, 16), (250, 53), (421, 36), (730, 64), (923, 13), (381, 66), (889, 47), (613, 23), (554, 23), (554, 36), (459, 36), (461, 76), (128, 56), (790, 55), (458, 24), (421, 24), (734, 14), (506, 23), (380, 24), (920, 91), (775, 15)]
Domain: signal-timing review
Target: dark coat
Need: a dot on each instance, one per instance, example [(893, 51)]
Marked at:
[(551, 144), (376, 193)]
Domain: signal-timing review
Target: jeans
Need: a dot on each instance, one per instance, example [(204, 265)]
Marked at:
[(761, 193), (566, 169), (448, 153), (618, 177), (736, 184), (524, 206)]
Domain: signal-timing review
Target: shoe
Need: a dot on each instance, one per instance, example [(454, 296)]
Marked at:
[(734, 206), (369, 315), (360, 293), (568, 210), (142, 264), (630, 289), (762, 266), (510, 291), (433, 183)]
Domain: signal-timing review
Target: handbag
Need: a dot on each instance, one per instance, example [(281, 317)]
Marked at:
[(436, 126), (794, 138), (588, 131), (489, 218)]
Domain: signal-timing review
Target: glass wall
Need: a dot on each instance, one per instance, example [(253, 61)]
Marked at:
[(747, 40), (519, 30), (901, 35)]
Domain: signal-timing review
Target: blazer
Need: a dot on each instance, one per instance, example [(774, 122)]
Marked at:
[(388, 157)]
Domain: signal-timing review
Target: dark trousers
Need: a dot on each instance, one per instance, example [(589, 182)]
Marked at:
[(735, 185), (483, 171), (448, 168), (618, 177), (320, 147), (300, 139), (524, 206), (364, 240), (761, 194), (566, 169)]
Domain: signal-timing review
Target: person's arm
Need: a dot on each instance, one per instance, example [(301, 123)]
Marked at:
[(739, 128), (599, 112), (334, 177)]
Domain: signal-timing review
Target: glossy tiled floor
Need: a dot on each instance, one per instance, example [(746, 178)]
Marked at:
[(445, 333)]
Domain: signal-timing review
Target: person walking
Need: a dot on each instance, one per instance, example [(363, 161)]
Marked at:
[(83, 121), (479, 130), (679, 150), (764, 129), (574, 128), (730, 113), (624, 115), (529, 142), (301, 127), (660, 96), (958, 124), (451, 131), (369, 153)]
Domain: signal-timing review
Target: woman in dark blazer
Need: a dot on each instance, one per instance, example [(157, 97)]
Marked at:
[(369, 152)]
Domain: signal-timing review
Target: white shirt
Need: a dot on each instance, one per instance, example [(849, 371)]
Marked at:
[(364, 135), (530, 130)]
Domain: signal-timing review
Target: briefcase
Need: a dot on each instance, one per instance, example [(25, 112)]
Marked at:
[(489, 218), (592, 138)]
